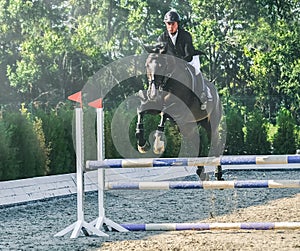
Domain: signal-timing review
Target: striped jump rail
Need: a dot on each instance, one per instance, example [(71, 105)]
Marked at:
[(201, 161), (168, 185), (213, 226)]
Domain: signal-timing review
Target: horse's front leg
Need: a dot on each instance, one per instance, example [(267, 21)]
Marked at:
[(142, 144), (159, 138)]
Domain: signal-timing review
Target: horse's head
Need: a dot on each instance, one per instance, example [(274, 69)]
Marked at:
[(159, 69)]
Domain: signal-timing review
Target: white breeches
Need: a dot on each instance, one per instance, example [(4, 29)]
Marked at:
[(196, 64)]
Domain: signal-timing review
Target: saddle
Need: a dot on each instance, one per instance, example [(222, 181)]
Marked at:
[(199, 87)]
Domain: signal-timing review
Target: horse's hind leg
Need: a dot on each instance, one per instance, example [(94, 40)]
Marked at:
[(219, 173), (216, 146), (215, 150), (159, 140), (142, 144), (201, 170), (201, 173)]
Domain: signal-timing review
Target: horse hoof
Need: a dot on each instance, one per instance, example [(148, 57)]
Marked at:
[(159, 150), (219, 176), (144, 149), (219, 173), (158, 146), (202, 175)]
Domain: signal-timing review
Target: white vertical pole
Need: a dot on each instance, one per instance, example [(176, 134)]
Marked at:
[(101, 171), (79, 164), (101, 220)]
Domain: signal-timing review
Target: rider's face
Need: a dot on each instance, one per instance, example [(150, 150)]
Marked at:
[(172, 27)]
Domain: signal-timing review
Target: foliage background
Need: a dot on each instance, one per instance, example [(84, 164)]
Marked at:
[(49, 49)]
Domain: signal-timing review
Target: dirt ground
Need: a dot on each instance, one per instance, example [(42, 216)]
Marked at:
[(281, 210)]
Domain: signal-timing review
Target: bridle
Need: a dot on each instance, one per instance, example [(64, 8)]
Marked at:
[(156, 88)]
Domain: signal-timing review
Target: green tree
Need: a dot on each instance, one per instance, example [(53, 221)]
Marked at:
[(57, 128), (42, 146), (235, 135), (251, 49), (275, 67), (8, 165), (173, 139), (284, 141), (31, 160), (256, 134), (110, 150)]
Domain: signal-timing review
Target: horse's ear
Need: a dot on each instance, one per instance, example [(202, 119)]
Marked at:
[(163, 48), (150, 48), (156, 48)]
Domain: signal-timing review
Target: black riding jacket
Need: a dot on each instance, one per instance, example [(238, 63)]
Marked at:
[(183, 47)]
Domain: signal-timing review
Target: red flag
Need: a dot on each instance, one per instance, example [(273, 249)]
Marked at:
[(96, 103), (76, 97)]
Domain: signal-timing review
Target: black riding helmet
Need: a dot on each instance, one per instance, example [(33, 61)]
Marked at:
[(172, 16)]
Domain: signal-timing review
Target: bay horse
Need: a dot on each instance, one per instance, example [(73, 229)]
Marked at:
[(176, 93)]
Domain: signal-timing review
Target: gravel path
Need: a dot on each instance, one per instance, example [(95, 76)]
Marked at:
[(32, 226), (287, 209)]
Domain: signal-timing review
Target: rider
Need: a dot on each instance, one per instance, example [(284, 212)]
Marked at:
[(180, 44), (179, 40)]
